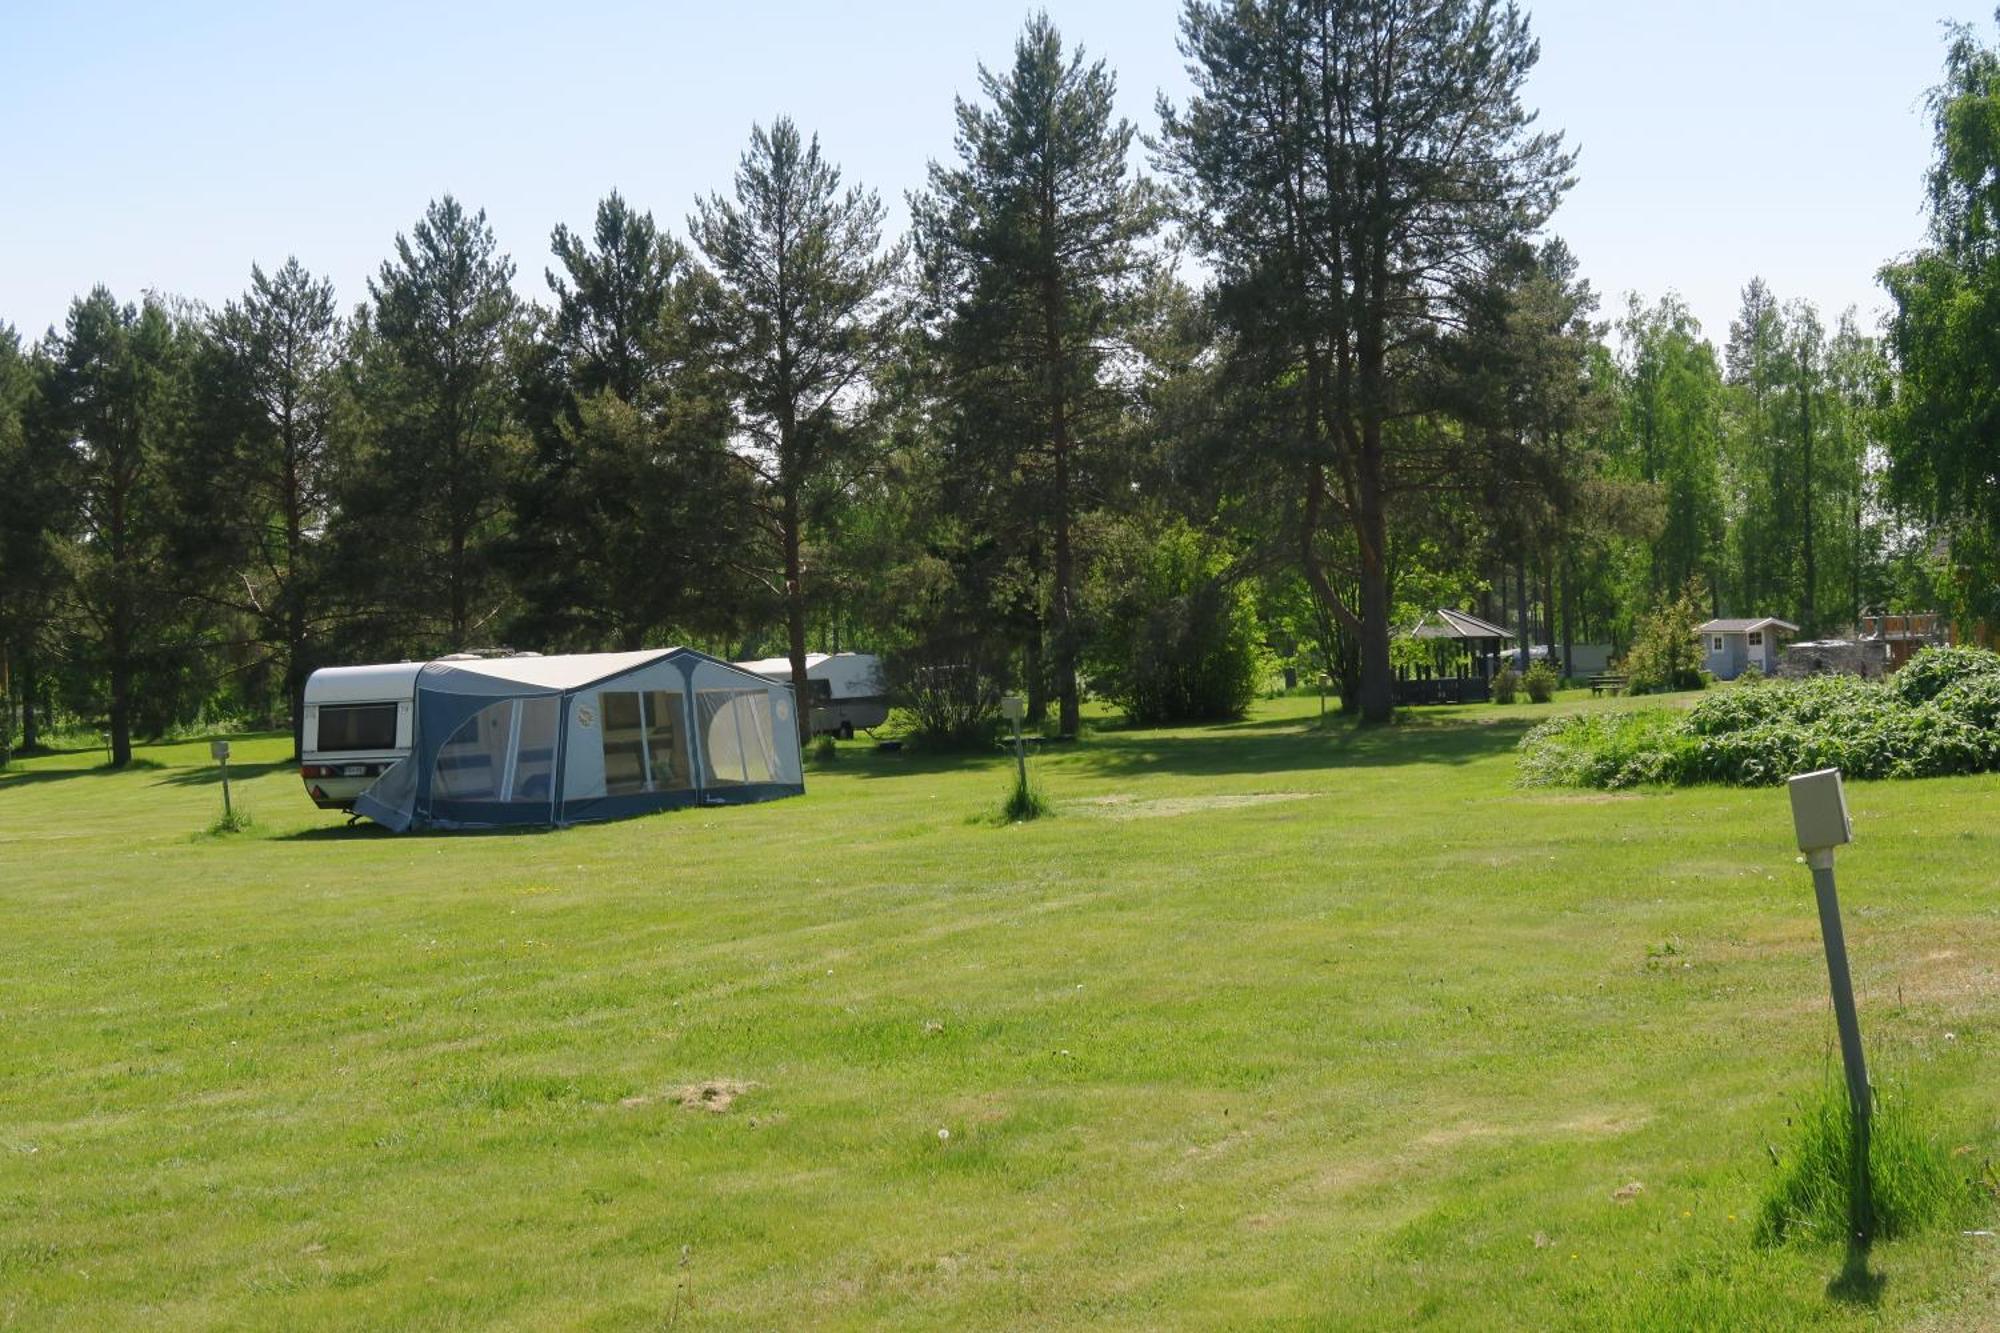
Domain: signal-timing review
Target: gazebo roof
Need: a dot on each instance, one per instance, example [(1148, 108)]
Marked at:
[(1442, 624)]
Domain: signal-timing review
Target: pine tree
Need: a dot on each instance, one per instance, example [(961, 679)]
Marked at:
[(630, 515), (260, 481), (1032, 250), (117, 390), (1352, 171), (422, 502), (803, 321)]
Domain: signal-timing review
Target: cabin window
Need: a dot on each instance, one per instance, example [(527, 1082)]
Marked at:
[(644, 748), (1718, 643), (353, 727), (1756, 638)]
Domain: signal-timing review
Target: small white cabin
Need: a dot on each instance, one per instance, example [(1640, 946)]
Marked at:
[(1731, 647), (847, 688)]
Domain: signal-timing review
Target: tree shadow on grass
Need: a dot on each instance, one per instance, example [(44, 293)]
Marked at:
[(1236, 748), (1262, 745), (32, 776), (210, 775)]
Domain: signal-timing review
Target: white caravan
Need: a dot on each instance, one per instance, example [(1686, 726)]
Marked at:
[(847, 689), (357, 723)]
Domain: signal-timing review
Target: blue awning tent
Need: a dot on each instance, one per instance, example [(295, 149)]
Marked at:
[(555, 740)]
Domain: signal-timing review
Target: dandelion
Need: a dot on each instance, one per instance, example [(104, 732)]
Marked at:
[(944, 1136)]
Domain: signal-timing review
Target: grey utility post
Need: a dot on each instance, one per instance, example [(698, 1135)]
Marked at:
[(1011, 708), (1819, 815), (219, 751)]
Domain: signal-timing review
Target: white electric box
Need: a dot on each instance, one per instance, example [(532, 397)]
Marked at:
[(1819, 811)]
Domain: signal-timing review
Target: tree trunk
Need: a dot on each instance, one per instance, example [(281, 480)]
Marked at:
[(1070, 719), (295, 695), (1566, 583), (1378, 702), (1809, 616), (795, 620), (121, 699), (31, 722), (1036, 685), (1523, 613)]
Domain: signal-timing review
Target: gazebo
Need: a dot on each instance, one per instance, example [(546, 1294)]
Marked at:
[(1464, 658)]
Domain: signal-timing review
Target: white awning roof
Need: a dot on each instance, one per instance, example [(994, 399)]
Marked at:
[(567, 671)]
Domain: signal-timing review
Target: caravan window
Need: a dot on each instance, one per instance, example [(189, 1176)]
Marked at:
[(504, 752), (470, 764), (736, 737), (351, 727), (532, 780), (666, 745), (644, 749), (624, 743)]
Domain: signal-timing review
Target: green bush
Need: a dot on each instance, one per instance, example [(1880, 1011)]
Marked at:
[(1944, 720), (1540, 682), (1176, 639), (1506, 685), (1666, 651)]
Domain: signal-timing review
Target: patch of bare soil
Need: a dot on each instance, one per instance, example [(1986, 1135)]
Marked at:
[(1130, 807), (716, 1095)]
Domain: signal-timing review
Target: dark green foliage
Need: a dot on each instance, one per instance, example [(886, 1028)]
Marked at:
[(1176, 640), (117, 383), (1034, 271), (825, 752), (424, 503), (1506, 684), (1941, 422), (1911, 1181), (1937, 670), (1540, 683), (632, 517), (1666, 655), (803, 318), (1945, 720), (263, 465), (1344, 286)]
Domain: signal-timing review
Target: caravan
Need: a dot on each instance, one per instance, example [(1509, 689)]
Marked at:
[(847, 689), (486, 742), (357, 723)]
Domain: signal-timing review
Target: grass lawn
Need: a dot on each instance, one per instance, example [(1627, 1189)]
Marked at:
[(1271, 1025)]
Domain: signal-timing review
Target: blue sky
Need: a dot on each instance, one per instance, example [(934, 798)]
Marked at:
[(167, 146)]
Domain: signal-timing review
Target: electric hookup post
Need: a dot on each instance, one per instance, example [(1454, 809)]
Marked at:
[(219, 751), (1819, 815), (1011, 708)]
